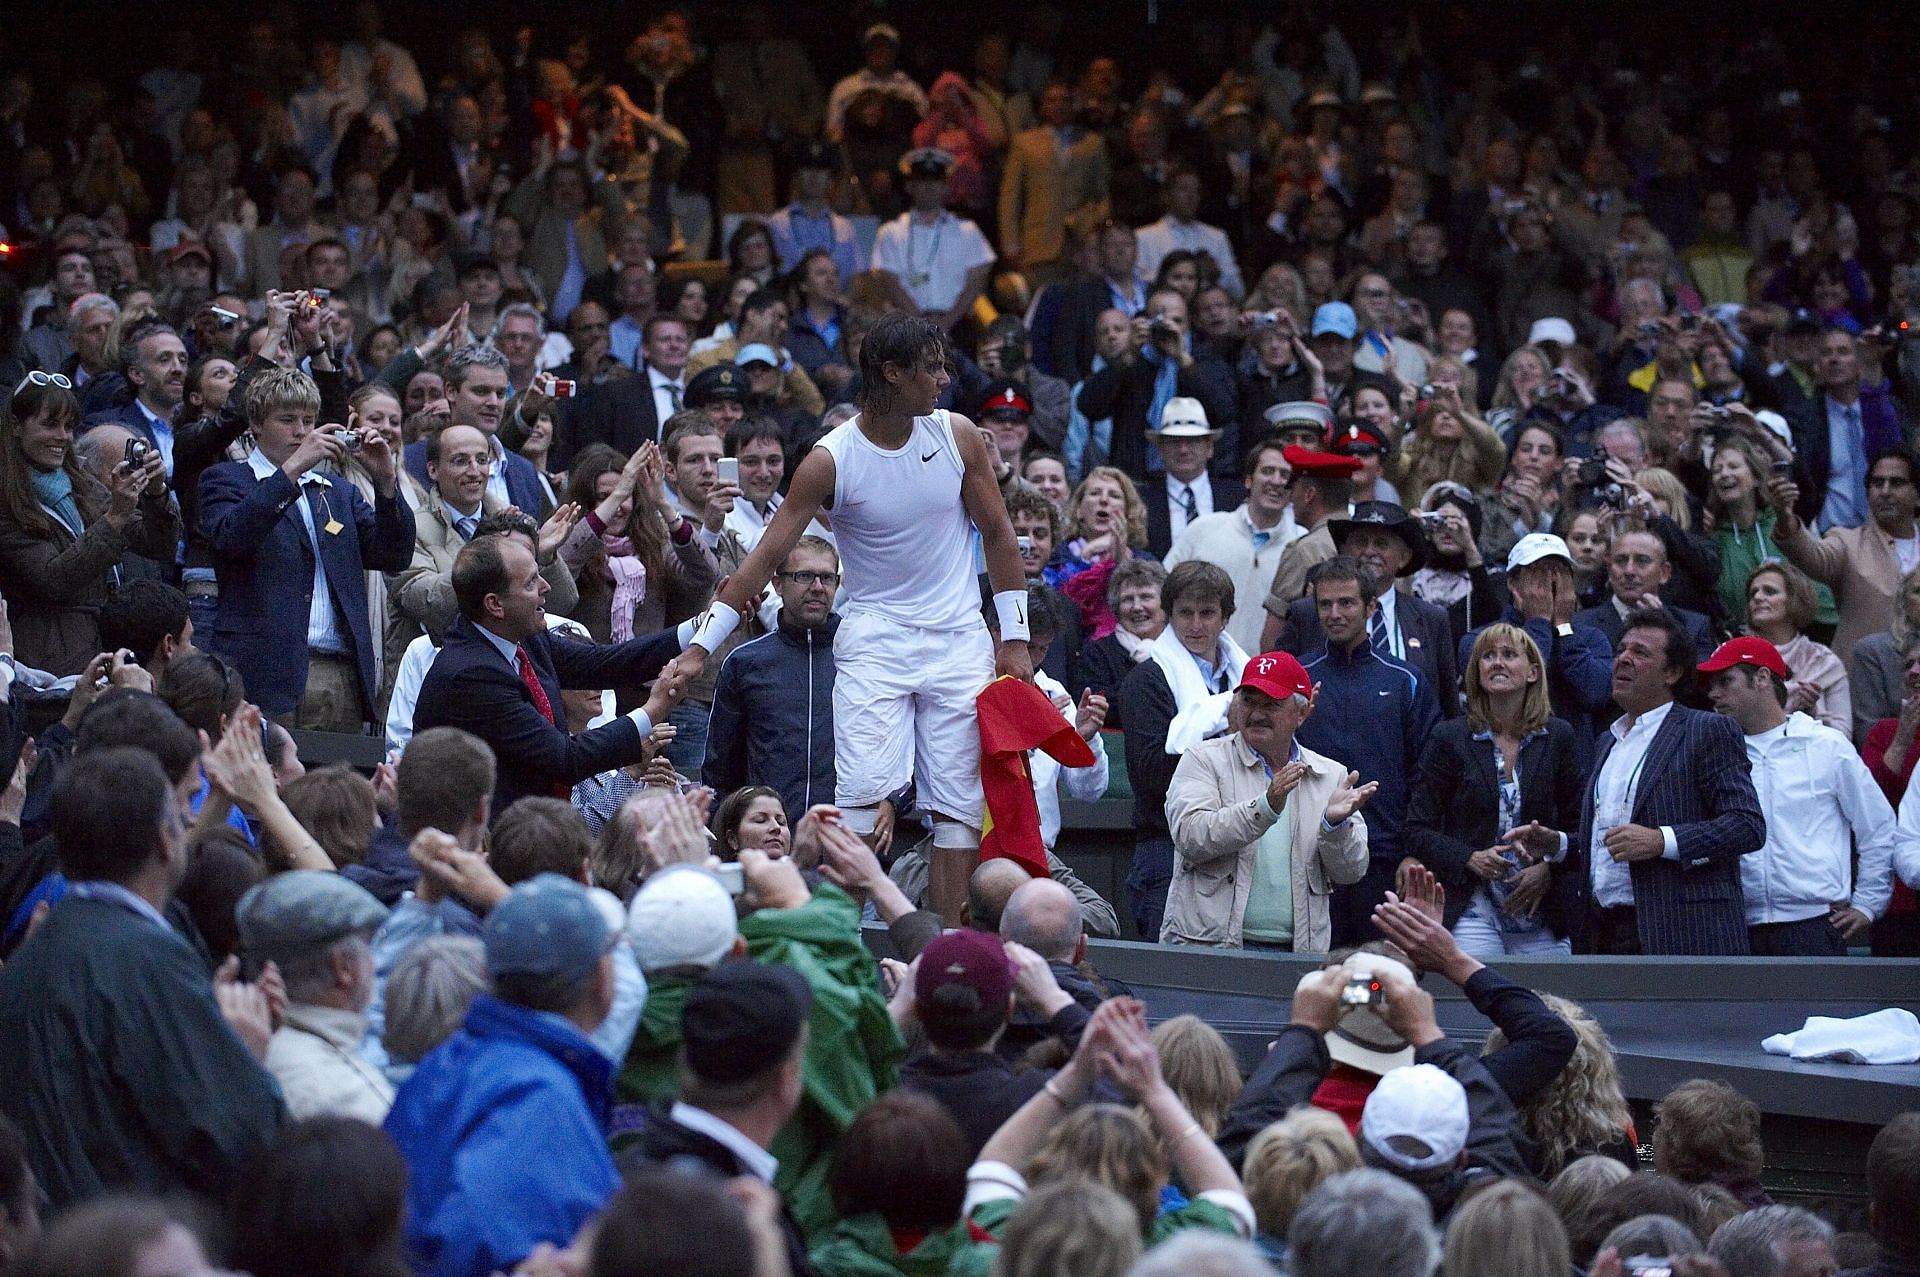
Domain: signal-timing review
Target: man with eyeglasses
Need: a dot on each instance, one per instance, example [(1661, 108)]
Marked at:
[(1381, 350), (772, 721)]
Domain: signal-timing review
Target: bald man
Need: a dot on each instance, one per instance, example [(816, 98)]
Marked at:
[(1046, 917), (988, 891)]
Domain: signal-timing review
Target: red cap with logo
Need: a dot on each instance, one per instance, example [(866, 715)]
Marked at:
[(1745, 651), (1277, 674)]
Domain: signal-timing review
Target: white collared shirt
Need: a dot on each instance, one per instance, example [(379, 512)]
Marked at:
[(1202, 489), (1389, 603), (663, 398), (324, 632), (762, 1164), (1815, 791), (497, 474), (1613, 794)]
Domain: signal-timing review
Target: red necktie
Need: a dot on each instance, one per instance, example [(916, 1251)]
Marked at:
[(532, 680), (561, 789)]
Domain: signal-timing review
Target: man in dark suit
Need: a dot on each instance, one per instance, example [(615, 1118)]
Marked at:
[(292, 549), (1669, 812), (1637, 570), (1383, 536), (743, 1043), (501, 673), (1186, 492), (1117, 286), (478, 390), (1862, 412)]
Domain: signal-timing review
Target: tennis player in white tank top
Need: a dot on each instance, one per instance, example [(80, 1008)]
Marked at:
[(905, 485)]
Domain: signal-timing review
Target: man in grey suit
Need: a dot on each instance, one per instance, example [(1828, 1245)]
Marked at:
[(1667, 815)]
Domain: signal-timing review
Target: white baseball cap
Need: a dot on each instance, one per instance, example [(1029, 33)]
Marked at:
[(1536, 546), (1421, 1104), (683, 917), (1553, 329)]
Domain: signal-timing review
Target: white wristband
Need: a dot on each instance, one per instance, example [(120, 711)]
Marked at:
[(721, 621), (1012, 607)]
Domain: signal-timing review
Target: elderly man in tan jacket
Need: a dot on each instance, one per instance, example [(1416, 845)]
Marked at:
[(1263, 829)]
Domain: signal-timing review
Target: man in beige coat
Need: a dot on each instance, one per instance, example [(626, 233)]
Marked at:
[(1055, 179), (1258, 848), (1863, 565)]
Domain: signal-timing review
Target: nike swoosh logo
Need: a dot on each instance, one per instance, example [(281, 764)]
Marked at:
[(1387, 693), (930, 456), (1020, 612)]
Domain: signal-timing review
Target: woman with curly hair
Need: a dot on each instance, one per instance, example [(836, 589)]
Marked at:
[(1106, 525), (1582, 1112)]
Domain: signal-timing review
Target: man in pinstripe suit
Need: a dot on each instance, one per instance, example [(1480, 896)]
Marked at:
[(1668, 813)]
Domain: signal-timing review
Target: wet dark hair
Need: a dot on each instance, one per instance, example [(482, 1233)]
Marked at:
[(903, 341)]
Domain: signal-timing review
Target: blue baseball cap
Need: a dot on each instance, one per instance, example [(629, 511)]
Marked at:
[(1336, 318), (547, 926)]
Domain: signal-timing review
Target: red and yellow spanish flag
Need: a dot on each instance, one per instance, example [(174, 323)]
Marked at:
[(1014, 718)]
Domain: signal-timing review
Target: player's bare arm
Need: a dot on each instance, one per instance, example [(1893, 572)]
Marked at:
[(980, 492)]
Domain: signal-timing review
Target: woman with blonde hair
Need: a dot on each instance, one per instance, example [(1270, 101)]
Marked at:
[(1781, 605), (1508, 766), (1106, 526), (1507, 1230), (1280, 288), (1582, 1112), (1200, 1067), (1075, 1227), (1056, 1137), (1288, 1160), (1449, 441), (1522, 377)]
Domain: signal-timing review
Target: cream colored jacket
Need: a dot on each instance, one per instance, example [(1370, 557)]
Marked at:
[(1217, 811)]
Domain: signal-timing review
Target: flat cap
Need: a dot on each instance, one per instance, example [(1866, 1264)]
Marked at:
[(294, 914)]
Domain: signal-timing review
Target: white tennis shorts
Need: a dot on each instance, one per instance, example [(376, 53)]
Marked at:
[(903, 707)]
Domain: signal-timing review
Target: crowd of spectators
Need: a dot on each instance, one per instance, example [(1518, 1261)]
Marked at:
[(1467, 492)]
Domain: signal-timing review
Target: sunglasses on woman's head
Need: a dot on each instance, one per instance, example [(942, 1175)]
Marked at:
[(38, 378)]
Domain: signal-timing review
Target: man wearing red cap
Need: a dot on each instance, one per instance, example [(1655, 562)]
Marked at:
[(1322, 490), (1262, 829), (1802, 897)]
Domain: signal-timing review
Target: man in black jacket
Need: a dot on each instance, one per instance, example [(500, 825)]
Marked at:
[(963, 995), (772, 720), (1299, 1061), (1160, 363), (743, 1046)]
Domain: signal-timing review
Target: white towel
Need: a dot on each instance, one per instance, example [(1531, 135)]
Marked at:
[(1198, 713), (1884, 1037)]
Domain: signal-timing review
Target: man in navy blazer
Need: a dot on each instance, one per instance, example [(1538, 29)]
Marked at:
[(478, 389), (501, 672), (292, 548), (1667, 814)]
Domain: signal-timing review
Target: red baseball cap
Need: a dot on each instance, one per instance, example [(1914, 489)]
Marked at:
[(1277, 674), (1319, 465), (1745, 651)]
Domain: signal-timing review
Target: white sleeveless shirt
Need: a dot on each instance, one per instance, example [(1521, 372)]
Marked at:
[(905, 541)]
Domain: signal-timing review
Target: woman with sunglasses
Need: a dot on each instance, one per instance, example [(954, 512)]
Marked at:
[(62, 531)]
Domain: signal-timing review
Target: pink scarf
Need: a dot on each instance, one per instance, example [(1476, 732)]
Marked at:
[(629, 583)]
